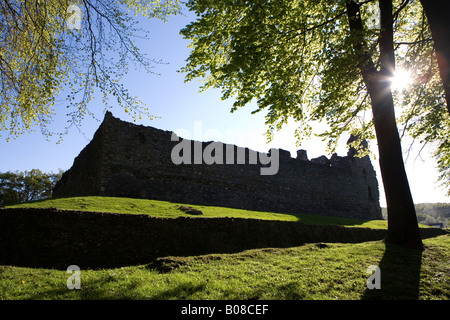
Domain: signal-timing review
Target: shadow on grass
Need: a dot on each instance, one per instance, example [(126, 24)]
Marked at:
[(400, 275)]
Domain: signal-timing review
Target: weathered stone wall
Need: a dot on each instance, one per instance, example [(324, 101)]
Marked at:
[(130, 160), (53, 238)]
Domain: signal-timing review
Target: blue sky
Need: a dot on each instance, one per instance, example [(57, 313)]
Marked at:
[(181, 108)]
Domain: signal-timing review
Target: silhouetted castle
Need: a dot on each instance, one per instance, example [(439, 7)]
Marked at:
[(128, 160)]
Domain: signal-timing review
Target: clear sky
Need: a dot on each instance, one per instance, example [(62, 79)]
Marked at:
[(202, 116)]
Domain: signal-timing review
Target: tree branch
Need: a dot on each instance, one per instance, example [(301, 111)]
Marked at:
[(365, 63), (400, 8), (413, 42), (387, 53)]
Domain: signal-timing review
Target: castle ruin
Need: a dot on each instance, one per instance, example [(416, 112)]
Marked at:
[(128, 160)]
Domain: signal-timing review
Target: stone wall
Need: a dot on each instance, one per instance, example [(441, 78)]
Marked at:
[(52, 238), (130, 160)]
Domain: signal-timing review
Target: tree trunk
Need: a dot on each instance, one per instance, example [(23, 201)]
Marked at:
[(402, 222), (438, 12)]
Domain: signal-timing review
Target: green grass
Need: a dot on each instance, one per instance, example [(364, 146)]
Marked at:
[(166, 209), (337, 271)]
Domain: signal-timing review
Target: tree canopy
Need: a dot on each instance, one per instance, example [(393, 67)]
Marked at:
[(332, 61), (55, 47), (296, 59)]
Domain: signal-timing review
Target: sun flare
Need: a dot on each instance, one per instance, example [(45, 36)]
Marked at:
[(401, 80)]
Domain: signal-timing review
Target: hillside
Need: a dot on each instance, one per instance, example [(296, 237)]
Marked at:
[(166, 209), (427, 213), (430, 213)]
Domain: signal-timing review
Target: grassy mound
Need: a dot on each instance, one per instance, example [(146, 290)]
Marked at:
[(172, 210)]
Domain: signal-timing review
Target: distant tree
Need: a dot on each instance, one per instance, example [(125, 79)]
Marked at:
[(17, 187), (429, 220), (421, 217), (319, 60), (73, 47), (428, 213)]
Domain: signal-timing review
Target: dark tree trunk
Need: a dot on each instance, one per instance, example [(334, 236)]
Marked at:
[(438, 15), (402, 222)]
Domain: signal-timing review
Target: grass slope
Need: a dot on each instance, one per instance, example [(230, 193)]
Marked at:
[(170, 210), (338, 271)]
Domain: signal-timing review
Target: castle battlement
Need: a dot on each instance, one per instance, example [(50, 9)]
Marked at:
[(128, 160)]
